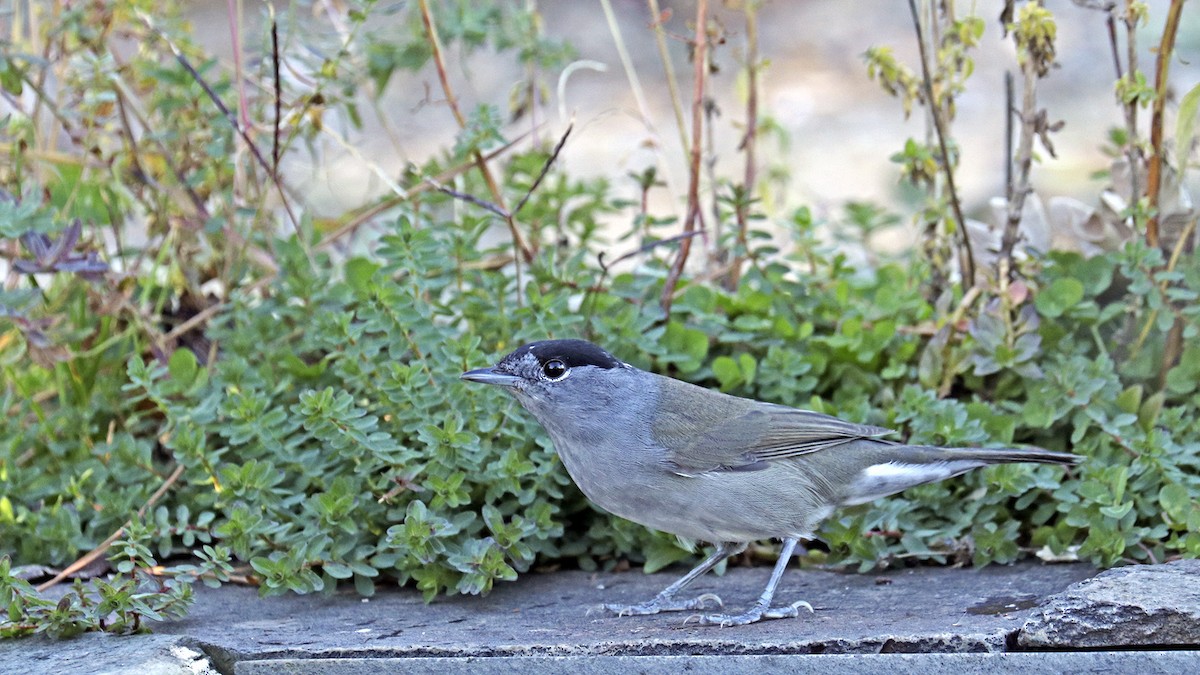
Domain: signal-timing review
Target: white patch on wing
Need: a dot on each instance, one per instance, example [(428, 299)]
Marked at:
[(881, 480)]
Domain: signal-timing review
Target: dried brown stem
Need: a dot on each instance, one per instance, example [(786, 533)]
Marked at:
[(234, 9), (241, 132), (749, 142), (356, 220), (90, 556), (1133, 150), (700, 71), (1008, 134), (952, 323), (935, 113), (435, 46), (672, 88), (1166, 48), (1019, 188)]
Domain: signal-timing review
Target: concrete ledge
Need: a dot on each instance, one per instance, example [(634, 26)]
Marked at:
[(919, 610), (925, 619), (1049, 663)]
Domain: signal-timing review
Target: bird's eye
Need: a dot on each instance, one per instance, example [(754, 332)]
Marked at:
[(554, 369)]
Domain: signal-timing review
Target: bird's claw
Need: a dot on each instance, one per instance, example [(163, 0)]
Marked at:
[(658, 605), (755, 614)]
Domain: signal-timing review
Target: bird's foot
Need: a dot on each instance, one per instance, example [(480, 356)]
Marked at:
[(757, 613), (661, 604)]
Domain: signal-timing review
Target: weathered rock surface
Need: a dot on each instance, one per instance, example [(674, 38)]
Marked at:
[(1141, 606), (918, 610), (102, 654), (933, 620)]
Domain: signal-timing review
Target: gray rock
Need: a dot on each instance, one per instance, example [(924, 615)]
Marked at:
[(1043, 663), (904, 611), (103, 654), (553, 623), (1138, 606)]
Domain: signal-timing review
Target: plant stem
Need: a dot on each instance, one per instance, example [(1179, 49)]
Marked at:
[(672, 87), (1133, 150), (435, 46), (88, 557), (700, 70), (966, 257), (749, 142), (1019, 189), (1166, 48), (635, 84)]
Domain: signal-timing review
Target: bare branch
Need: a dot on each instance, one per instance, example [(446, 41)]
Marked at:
[(968, 259), (700, 72)]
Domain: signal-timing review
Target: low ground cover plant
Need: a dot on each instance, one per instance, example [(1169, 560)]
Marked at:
[(205, 382)]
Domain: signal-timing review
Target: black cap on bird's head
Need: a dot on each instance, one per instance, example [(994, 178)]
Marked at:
[(543, 361)]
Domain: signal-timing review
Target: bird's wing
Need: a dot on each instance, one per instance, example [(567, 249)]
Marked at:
[(756, 436)]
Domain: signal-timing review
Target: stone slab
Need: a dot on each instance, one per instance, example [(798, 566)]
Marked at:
[(1049, 663), (1136, 606), (552, 617), (917, 610), (104, 654)]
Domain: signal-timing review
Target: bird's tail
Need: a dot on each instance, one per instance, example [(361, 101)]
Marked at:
[(1011, 455)]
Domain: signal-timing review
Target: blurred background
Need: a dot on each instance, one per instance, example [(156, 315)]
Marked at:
[(835, 129)]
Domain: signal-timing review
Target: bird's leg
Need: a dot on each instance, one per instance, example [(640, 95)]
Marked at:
[(666, 600), (763, 609)]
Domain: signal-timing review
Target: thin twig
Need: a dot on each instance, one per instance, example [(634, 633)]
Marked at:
[(357, 219), (241, 132), (1114, 48), (968, 259), (234, 9), (545, 168), (194, 321), (127, 98), (1009, 110), (700, 59), (435, 46), (635, 84), (90, 556), (948, 373), (660, 38), (1019, 189), (604, 267), (275, 148), (1152, 319), (1133, 150), (1166, 49), (749, 142), (470, 199)]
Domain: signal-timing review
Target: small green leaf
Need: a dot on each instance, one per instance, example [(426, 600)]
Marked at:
[(748, 367), (183, 366), (1131, 399), (726, 371), (661, 553), (1185, 125), (337, 570), (1148, 414), (1118, 512), (1061, 295), (359, 272), (1175, 500)]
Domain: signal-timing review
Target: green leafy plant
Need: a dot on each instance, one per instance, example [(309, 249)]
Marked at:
[(246, 392)]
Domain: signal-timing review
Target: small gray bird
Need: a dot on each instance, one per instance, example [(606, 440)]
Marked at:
[(705, 465)]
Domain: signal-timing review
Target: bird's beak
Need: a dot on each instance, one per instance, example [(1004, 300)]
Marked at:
[(491, 376)]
